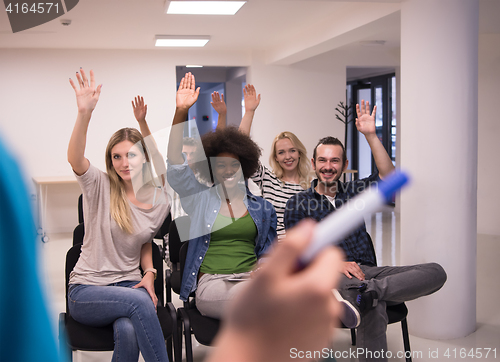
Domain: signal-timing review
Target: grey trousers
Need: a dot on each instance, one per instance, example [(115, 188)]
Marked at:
[(215, 290), (394, 285)]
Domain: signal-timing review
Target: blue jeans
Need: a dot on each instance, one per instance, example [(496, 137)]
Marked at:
[(132, 313)]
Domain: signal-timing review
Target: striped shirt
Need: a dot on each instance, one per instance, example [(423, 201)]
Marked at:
[(277, 192)]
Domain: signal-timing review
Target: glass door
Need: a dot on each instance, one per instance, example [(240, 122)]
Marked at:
[(379, 91)]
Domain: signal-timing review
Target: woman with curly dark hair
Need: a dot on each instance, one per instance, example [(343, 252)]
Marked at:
[(230, 140), (230, 227), (290, 168)]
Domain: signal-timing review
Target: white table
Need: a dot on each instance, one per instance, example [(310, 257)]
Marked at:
[(42, 184)]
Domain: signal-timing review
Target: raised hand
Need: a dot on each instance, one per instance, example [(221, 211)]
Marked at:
[(140, 109), (87, 94), (365, 123), (187, 94), (218, 103), (252, 100)]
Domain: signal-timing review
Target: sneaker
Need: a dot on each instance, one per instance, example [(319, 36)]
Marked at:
[(350, 316), (356, 301)]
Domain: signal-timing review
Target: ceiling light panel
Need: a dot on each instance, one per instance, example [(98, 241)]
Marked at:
[(204, 7), (180, 41)]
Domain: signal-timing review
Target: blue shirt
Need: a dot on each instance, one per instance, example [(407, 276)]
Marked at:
[(26, 332), (310, 204), (202, 203)]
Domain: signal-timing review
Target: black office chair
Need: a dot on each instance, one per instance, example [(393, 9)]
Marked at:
[(160, 235), (178, 233), (80, 209), (78, 234), (77, 336), (191, 322), (395, 313)]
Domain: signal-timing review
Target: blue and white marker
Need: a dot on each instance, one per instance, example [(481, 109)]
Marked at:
[(338, 225)]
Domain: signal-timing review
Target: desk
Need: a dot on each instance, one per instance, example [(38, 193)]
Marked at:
[(41, 184)]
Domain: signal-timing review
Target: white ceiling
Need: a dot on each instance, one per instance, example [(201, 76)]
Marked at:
[(288, 31)]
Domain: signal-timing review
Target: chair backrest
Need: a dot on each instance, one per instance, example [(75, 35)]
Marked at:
[(164, 229), (373, 249), (183, 255), (158, 265), (78, 234), (72, 257), (80, 209), (177, 235)]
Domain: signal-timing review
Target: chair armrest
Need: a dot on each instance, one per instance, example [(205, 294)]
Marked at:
[(173, 312), (62, 323), (64, 351), (168, 285)]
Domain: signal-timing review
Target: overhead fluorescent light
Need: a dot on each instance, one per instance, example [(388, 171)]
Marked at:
[(194, 66), (181, 41), (204, 7)]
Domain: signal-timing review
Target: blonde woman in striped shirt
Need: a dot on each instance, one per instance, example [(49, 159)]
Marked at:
[(289, 162)]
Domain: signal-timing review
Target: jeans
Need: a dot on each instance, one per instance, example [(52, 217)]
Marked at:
[(132, 313), (393, 285)]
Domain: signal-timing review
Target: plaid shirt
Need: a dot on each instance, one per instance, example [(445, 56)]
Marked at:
[(357, 246)]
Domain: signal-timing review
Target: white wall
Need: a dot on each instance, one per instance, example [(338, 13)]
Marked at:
[(298, 99), (38, 106), (488, 194), (39, 109)]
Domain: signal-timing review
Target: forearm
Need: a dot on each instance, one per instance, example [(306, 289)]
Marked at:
[(156, 157), (246, 122), (221, 121), (174, 149), (77, 143), (147, 256), (144, 128), (380, 155)]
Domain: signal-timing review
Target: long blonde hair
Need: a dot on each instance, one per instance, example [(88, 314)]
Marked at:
[(119, 207), (304, 166)]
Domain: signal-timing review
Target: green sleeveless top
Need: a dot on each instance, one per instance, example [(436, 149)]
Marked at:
[(232, 245)]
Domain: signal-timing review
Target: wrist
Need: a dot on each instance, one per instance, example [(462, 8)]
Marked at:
[(182, 108), (85, 112), (150, 270), (371, 136)]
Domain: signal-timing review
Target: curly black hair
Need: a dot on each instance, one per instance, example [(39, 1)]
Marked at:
[(230, 140)]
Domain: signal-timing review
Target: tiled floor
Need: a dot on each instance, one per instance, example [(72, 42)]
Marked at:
[(383, 228)]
